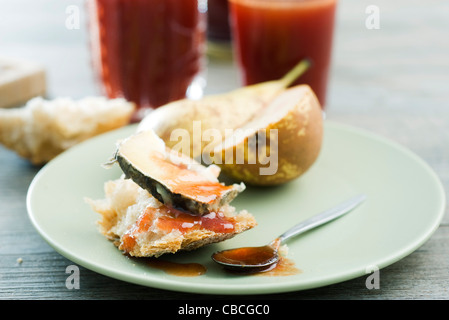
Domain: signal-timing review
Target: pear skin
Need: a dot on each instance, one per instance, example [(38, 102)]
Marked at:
[(224, 112), (290, 133), (173, 178)]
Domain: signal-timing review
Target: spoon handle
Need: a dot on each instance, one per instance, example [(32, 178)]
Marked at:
[(323, 217)]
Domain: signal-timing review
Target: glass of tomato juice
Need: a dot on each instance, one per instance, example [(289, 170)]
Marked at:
[(272, 36), (147, 51)]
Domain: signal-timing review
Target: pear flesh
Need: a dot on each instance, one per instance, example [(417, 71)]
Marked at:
[(173, 178), (288, 133), (269, 134)]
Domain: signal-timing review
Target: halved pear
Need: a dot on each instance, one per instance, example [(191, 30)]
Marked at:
[(220, 112), (171, 177), (278, 145)]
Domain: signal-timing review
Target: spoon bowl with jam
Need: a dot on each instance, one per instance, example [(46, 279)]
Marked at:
[(264, 258)]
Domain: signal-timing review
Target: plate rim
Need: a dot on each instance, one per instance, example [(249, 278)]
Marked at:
[(258, 288)]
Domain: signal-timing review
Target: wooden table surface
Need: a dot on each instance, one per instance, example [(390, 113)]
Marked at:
[(393, 81)]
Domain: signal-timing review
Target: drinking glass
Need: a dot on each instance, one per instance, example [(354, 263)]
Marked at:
[(272, 36), (147, 51)]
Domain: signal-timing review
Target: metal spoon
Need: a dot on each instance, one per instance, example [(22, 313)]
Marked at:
[(256, 259)]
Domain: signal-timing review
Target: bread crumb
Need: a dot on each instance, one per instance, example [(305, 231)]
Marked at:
[(283, 250), (19, 260)]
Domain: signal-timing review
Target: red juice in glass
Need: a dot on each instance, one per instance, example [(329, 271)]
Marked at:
[(147, 51), (271, 37)]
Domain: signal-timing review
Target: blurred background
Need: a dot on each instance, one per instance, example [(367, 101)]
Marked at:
[(408, 54), (387, 72)]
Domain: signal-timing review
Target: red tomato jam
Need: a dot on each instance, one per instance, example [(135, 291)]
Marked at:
[(188, 182), (168, 219)]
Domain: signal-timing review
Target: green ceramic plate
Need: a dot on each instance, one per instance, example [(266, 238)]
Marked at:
[(404, 207)]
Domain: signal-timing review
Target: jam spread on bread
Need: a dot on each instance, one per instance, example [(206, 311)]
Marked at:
[(168, 219), (182, 180)]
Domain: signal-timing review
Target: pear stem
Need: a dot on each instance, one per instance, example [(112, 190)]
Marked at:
[(296, 72)]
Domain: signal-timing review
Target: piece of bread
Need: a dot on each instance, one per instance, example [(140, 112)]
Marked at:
[(141, 226), (42, 129), (20, 80)]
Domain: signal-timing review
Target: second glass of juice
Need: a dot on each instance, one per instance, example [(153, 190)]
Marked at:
[(272, 36), (147, 51)]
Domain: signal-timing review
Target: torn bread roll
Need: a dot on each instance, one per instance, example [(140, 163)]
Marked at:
[(141, 226), (42, 129)]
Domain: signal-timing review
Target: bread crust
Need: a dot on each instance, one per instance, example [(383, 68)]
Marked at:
[(125, 202), (42, 129)]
